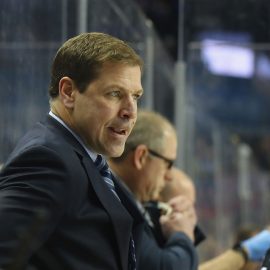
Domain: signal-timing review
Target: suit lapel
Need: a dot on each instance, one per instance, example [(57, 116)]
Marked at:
[(120, 217), (129, 202), (66, 134)]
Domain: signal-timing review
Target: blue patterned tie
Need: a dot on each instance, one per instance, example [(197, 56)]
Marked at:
[(106, 174)]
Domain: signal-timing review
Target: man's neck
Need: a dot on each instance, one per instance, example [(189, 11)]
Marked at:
[(90, 152), (59, 110)]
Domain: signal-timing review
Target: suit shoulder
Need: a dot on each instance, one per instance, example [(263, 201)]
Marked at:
[(43, 137)]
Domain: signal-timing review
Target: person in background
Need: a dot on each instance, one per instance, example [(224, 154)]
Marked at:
[(144, 167), (60, 207), (247, 254), (179, 185)]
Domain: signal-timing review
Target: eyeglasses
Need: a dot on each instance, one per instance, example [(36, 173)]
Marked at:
[(167, 160)]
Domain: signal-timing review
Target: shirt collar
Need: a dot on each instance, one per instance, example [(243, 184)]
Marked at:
[(91, 154)]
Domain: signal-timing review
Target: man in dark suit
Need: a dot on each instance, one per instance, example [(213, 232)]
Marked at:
[(56, 210), (144, 168)]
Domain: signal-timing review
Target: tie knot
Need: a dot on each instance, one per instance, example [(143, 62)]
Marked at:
[(101, 163), (103, 168), (105, 172)]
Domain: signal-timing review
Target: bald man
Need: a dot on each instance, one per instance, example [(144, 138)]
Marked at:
[(180, 184), (143, 168)]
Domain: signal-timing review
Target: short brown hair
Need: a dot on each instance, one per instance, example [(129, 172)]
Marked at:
[(82, 57)]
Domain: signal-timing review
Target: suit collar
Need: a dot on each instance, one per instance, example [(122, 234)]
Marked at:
[(53, 119), (91, 153), (58, 128)]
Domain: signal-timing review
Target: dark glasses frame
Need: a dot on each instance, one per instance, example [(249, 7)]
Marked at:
[(169, 162)]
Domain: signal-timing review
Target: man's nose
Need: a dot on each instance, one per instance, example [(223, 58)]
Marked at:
[(129, 109), (168, 175)]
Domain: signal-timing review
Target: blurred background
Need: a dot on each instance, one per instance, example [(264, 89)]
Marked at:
[(207, 68)]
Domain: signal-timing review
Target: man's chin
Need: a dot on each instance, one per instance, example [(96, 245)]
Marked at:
[(117, 152)]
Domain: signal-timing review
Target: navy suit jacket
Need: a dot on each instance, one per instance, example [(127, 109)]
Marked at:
[(178, 253), (56, 212)]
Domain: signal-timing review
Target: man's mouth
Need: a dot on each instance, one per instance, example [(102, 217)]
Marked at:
[(120, 131)]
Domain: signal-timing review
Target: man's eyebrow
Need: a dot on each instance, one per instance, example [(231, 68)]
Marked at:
[(140, 91)]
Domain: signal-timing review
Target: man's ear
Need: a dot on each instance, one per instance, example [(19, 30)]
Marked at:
[(67, 92), (140, 156)]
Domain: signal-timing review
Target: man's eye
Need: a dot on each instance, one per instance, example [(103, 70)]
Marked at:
[(115, 94), (136, 96)]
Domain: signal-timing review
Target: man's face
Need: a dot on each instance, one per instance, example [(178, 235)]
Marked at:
[(104, 115), (157, 171)]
